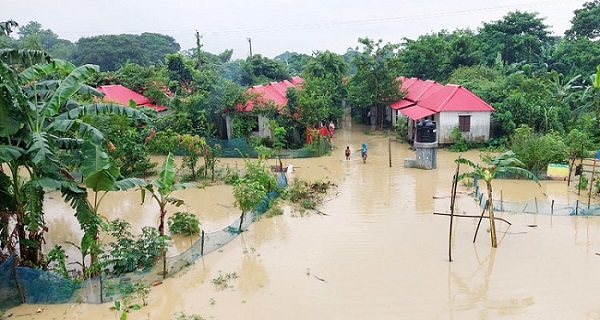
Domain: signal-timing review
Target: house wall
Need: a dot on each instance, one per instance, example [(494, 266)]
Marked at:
[(263, 127), (480, 126)]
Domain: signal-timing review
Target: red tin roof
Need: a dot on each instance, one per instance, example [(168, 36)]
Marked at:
[(273, 92), (416, 112), (453, 97), (422, 89), (400, 104), (119, 94)]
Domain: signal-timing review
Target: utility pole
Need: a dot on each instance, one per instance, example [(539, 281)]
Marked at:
[(250, 44), (198, 47)]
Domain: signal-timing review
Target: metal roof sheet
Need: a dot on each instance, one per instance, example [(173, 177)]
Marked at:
[(453, 97), (400, 104), (273, 92), (117, 93), (416, 112)]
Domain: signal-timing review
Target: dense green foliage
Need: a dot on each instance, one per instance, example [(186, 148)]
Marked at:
[(184, 223), (130, 253), (252, 187)]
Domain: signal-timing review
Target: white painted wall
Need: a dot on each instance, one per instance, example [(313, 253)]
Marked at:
[(480, 126)]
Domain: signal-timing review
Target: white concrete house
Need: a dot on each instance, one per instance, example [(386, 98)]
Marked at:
[(449, 106)]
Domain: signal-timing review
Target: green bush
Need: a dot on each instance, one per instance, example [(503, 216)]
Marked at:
[(164, 142), (537, 151), (129, 253), (184, 223), (460, 144)]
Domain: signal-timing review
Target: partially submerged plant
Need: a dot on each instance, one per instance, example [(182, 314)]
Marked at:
[(504, 163)]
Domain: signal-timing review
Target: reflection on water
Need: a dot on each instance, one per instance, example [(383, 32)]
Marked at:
[(379, 253)]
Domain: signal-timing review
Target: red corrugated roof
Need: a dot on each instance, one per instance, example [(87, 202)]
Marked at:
[(416, 112), (407, 82), (273, 92), (119, 94), (422, 89), (416, 89), (453, 97), (400, 104)]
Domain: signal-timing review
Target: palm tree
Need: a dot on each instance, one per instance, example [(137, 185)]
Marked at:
[(504, 163)]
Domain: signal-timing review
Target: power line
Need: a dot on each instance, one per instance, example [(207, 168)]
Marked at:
[(335, 24)]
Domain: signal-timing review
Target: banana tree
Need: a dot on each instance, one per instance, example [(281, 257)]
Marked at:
[(591, 96), (160, 190), (101, 176), (34, 90), (504, 163)]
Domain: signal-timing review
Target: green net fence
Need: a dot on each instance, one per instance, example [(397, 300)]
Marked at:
[(239, 147), (537, 206), (20, 284)]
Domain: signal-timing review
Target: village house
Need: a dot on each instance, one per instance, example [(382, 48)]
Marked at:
[(117, 93), (274, 94), (449, 106)]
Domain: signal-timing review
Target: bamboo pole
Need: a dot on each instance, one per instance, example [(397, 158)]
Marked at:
[(390, 150), (479, 222), (471, 216), (591, 184)]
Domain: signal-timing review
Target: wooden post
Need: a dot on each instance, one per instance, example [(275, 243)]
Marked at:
[(552, 208), (580, 175), (101, 290), (591, 183), (501, 201), (390, 150), (18, 281), (576, 206), (241, 221), (536, 205), (165, 264), (202, 244)]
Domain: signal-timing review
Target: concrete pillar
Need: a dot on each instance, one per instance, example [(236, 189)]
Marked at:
[(426, 155)]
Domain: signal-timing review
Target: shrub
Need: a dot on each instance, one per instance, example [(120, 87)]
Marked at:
[(460, 144), (537, 151), (129, 253), (184, 223)]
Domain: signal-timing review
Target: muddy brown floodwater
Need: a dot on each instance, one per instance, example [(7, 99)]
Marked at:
[(379, 253)]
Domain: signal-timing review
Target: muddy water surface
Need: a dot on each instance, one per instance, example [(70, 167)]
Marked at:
[(378, 253)]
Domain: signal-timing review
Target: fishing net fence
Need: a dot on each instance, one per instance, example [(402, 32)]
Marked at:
[(537, 206), (26, 285), (239, 147)]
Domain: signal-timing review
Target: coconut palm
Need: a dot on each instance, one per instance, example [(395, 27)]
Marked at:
[(504, 163)]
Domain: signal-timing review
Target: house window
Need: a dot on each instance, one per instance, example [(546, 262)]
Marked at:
[(464, 123)]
